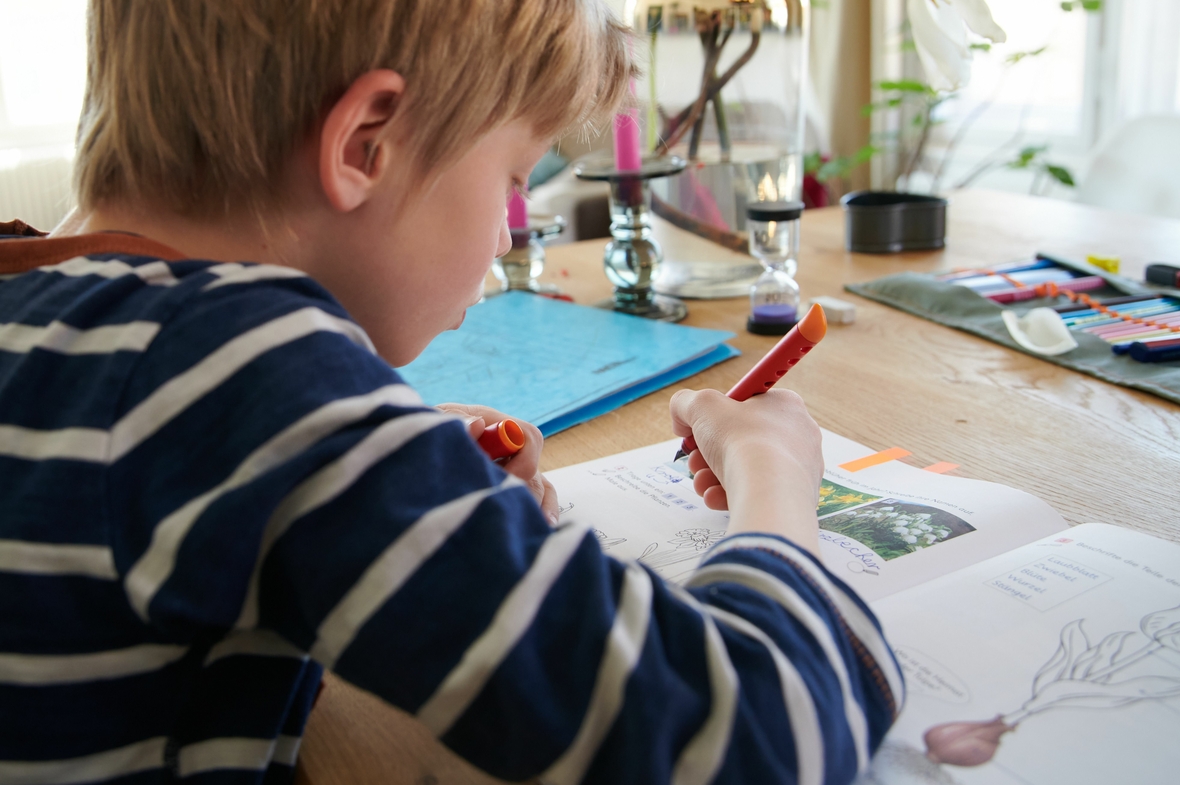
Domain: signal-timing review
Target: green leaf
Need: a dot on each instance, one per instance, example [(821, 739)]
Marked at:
[(909, 46), (1060, 174), (1066, 6), (865, 153), (1016, 57), (1029, 153), (868, 109), (908, 86), (812, 162), (1091, 5), (981, 47), (831, 170), (840, 167)]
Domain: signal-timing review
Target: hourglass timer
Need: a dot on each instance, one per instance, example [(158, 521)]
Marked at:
[(774, 242)]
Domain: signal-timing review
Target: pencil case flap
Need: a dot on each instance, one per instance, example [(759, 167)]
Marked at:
[(957, 306)]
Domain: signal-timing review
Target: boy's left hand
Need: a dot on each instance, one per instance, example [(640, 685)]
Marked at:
[(526, 464)]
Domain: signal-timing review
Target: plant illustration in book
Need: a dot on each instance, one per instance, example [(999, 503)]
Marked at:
[(834, 497), (1121, 669), (605, 542), (894, 528), (688, 544)]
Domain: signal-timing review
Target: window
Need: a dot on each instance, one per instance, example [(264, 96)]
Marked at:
[(1063, 82), (1034, 90), (42, 77)]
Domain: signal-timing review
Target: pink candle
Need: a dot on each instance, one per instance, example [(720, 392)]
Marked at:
[(518, 214), (627, 156)]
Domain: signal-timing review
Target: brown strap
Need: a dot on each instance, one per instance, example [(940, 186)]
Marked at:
[(34, 249), (19, 228)]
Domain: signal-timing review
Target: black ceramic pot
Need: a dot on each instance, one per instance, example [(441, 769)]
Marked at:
[(889, 222)]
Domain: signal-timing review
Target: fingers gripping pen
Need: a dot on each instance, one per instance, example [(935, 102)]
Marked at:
[(786, 353)]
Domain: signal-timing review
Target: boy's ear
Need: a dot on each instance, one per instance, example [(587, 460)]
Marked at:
[(351, 162)]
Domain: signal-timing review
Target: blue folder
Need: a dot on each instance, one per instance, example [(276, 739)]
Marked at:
[(556, 364)]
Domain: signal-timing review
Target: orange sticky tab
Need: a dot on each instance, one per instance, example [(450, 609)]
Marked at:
[(942, 467), (885, 456)]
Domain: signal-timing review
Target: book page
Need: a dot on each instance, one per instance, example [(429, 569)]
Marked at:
[(883, 529), (1058, 662)]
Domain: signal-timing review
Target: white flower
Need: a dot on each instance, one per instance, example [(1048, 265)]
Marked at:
[(942, 535), (940, 35), (930, 538), (911, 539), (920, 547), (924, 527), (901, 530)]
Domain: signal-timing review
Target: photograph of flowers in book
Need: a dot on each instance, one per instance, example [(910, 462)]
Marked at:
[(890, 527)]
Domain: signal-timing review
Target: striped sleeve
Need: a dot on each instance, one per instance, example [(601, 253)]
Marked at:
[(272, 476)]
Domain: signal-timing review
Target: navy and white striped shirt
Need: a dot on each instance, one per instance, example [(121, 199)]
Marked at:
[(211, 488)]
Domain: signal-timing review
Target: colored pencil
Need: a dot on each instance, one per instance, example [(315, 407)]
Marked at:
[(1097, 318), (1010, 267), (1134, 298), (1130, 328), (1083, 284), (1144, 354), (989, 283), (1163, 340)]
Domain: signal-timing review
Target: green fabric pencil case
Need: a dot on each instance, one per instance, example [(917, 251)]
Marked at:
[(957, 306)]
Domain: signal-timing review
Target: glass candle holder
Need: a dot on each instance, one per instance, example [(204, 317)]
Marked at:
[(774, 242), (632, 258), (518, 269)]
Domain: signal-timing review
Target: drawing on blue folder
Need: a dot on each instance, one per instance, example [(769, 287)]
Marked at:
[(555, 364)]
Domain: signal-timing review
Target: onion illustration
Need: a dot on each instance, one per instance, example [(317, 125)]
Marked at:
[(965, 743), (1079, 675)]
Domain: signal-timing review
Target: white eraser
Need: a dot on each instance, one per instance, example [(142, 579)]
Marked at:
[(837, 311)]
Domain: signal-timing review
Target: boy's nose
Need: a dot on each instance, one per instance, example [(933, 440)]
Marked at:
[(505, 243)]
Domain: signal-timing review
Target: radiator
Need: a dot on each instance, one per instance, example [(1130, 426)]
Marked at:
[(38, 192)]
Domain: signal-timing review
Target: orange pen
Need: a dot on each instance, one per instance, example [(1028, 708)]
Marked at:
[(502, 440), (801, 339)]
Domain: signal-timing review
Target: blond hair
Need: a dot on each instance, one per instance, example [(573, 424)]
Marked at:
[(197, 105)]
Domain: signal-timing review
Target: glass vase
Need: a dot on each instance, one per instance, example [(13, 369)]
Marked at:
[(723, 89)]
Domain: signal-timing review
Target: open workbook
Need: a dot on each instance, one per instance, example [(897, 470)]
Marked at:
[(1034, 653)]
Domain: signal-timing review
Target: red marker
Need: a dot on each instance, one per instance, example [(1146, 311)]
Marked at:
[(799, 341), (502, 439)]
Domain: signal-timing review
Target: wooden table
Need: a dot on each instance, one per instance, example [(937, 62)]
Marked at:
[(1095, 451)]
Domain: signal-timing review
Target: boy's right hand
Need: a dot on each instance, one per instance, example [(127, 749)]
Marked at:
[(760, 458)]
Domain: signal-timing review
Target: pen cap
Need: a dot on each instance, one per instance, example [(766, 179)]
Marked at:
[(1163, 274), (502, 439), (786, 353), (814, 325)]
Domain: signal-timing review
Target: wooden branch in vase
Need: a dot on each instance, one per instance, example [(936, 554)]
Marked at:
[(710, 91)]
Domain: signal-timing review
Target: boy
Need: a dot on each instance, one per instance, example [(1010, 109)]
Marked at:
[(214, 485)]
